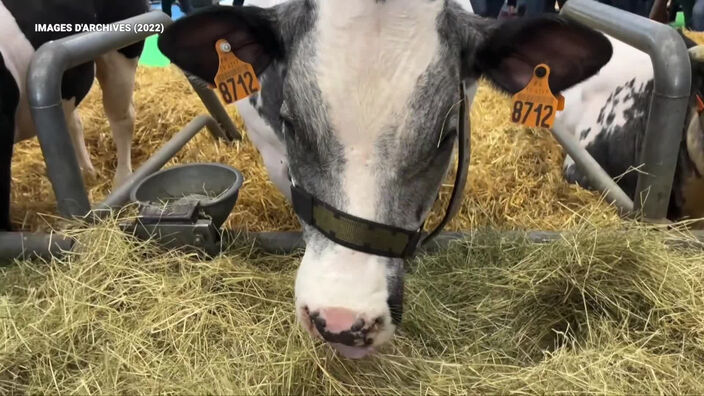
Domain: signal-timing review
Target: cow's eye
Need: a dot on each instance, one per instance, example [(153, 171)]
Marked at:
[(288, 126)]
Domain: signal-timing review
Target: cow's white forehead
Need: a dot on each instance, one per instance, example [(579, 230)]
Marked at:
[(369, 56), (367, 82)]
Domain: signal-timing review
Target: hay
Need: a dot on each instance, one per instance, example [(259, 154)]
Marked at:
[(515, 176), (600, 311)]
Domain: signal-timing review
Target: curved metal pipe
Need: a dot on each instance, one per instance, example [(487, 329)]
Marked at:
[(44, 93)]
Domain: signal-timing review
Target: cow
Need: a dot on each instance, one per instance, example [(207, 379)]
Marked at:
[(351, 118), (608, 112), (27, 24)]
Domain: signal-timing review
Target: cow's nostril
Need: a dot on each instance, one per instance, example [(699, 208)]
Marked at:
[(318, 320), (358, 325)]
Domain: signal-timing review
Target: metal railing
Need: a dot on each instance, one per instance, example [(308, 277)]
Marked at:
[(44, 94), (672, 74)]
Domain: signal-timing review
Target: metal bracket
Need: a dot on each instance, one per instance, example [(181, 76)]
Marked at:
[(201, 237), (176, 226)]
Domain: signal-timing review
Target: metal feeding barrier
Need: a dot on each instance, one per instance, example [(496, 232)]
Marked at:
[(44, 94), (659, 154)]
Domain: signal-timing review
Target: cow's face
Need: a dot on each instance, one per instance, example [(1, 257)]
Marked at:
[(369, 91)]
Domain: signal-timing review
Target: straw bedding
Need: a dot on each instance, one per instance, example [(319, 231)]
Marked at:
[(601, 311), (609, 308)]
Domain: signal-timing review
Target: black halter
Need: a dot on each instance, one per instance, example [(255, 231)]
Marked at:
[(382, 239)]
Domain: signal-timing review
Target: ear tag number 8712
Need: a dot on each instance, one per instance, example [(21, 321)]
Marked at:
[(235, 79), (536, 105)]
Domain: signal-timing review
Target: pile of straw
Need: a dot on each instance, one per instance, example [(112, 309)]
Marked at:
[(600, 311), (515, 178)]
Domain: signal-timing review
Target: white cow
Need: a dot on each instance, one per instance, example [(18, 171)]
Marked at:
[(353, 110)]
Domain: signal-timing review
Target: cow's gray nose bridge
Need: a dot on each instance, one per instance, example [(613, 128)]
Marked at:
[(668, 108)]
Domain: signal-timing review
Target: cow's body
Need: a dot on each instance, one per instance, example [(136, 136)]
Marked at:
[(19, 39), (608, 113)]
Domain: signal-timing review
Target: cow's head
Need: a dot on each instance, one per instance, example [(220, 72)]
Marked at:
[(367, 90)]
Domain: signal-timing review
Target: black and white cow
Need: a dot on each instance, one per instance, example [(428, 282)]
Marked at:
[(19, 39), (608, 112), (354, 97)]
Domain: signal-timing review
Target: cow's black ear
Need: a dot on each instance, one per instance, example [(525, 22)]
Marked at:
[(513, 48), (251, 31)]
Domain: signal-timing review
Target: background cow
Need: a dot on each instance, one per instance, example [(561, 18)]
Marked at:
[(354, 103), (608, 114), (115, 72)]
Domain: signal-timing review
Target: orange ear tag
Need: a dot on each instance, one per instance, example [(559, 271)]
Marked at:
[(535, 105), (235, 79)]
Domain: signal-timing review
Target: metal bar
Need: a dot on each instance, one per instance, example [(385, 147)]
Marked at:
[(44, 93), (18, 245), (215, 107), (287, 242), (597, 175), (673, 81), (121, 195)]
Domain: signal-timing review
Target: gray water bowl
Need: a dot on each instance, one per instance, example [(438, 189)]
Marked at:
[(214, 186)]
